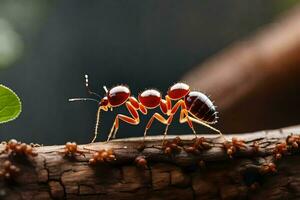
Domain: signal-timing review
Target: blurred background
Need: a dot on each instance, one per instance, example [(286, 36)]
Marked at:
[(46, 47)]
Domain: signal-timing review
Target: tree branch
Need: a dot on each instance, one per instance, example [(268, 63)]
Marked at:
[(207, 173), (251, 77)]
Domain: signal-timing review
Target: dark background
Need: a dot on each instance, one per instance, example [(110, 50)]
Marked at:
[(144, 44)]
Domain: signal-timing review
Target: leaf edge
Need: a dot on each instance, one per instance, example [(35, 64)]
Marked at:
[(19, 100)]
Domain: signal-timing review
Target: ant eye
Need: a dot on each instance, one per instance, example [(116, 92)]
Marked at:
[(178, 90)]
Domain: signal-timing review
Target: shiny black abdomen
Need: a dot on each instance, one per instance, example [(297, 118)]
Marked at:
[(201, 106)]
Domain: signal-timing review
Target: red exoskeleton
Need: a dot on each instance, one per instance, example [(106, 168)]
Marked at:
[(194, 106)]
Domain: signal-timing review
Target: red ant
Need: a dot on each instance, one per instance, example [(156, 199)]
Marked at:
[(195, 107)]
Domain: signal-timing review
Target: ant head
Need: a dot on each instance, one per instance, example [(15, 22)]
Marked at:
[(104, 102)]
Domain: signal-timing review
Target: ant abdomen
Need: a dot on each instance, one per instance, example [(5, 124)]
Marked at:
[(201, 106)]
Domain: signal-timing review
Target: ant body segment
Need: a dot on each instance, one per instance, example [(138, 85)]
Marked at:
[(194, 107)]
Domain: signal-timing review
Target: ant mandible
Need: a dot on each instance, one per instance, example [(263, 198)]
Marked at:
[(196, 106)]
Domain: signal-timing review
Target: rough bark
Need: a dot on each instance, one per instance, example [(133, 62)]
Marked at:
[(210, 174)]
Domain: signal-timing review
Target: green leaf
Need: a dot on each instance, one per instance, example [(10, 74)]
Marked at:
[(10, 105)]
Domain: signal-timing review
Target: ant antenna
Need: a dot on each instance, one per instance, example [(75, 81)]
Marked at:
[(87, 86), (83, 99), (105, 89)]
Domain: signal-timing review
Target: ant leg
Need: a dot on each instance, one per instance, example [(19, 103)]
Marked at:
[(204, 124), (169, 121), (166, 105), (137, 105), (143, 109), (133, 111), (124, 118), (134, 120), (183, 114), (184, 118), (169, 104), (171, 111), (181, 104), (134, 102), (163, 106), (159, 118)]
